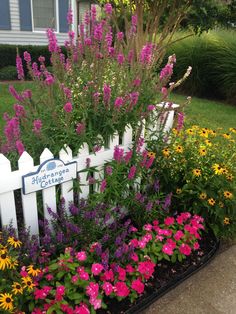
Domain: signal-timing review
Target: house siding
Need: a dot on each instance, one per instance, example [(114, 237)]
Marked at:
[(14, 12), (17, 37), (28, 38)]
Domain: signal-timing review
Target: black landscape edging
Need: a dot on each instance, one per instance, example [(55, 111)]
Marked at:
[(143, 304)]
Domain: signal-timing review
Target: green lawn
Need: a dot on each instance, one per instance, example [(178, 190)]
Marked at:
[(206, 113)]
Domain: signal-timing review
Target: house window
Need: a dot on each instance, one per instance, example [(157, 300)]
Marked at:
[(44, 14)]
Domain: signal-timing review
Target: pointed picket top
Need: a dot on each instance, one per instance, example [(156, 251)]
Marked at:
[(65, 153), (127, 136), (46, 154), (113, 142), (4, 162), (25, 158), (102, 148), (84, 150)]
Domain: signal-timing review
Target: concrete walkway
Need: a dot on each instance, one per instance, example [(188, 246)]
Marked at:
[(210, 291)]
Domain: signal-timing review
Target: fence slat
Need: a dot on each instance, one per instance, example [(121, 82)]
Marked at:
[(65, 155), (29, 201), (7, 200), (127, 136), (113, 142), (99, 174), (49, 194), (82, 154)]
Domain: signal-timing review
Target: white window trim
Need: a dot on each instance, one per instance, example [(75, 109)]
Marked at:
[(57, 30)]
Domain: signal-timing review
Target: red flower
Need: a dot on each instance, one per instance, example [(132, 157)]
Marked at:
[(138, 286), (122, 274), (107, 287), (146, 268), (185, 249), (96, 269), (121, 289)]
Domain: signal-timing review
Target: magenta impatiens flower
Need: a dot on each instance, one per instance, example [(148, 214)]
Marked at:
[(107, 288), (68, 107), (121, 289), (169, 221), (146, 268), (185, 249), (138, 286), (96, 269), (81, 256)]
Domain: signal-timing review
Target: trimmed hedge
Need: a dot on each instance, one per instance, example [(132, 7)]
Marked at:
[(213, 59), (8, 54), (8, 73)]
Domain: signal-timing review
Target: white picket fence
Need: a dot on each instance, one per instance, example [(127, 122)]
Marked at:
[(12, 180)]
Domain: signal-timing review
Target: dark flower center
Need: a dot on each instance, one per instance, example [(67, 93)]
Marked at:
[(18, 287), (3, 256), (29, 283), (8, 300)]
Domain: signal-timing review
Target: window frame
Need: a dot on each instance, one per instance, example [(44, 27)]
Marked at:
[(56, 17)]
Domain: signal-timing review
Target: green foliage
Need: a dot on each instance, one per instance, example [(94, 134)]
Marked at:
[(212, 57), (8, 73), (198, 166)]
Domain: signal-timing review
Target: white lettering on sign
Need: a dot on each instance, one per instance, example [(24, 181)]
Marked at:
[(49, 173)]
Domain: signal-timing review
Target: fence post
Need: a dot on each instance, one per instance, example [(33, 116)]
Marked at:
[(83, 152), (7, 200), (49, 194), (65, 155), (29, 201)]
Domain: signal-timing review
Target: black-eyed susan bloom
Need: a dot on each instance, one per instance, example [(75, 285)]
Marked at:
[(228, 194), (211, 201), (178, 191), (33, 271), (151, 154), (190, 131), (5, 260), (233, 130), (202, 151), (208, 143), (17, 288), (203, 133), (13, 263), (14, 242), (179, 149), (203, 196), (226, 221), (27, 282), (166, 152), (230, 177), (217, 169), (197, 172), (227, 136), (6, 301)]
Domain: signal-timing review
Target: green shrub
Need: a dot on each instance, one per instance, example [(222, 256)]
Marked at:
[(8, 73), (212, 57)]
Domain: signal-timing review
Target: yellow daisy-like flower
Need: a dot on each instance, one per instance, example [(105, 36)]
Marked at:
[(17, 288), (14, 242), (27, 282), (190, 131), (217, 169), (233, 130), (6, 301), (203, 133), (33, 271), (221, 204), (230, 177), (202, 152), (13, 263), (212, 132), (208, 143), (228, 194), (226, 221), (175, 131), (178, 191), (5, 260), (227, 136), (211, 201), (166, 152), (197, 172), (179, 149), (151, 154), (203, 196)]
